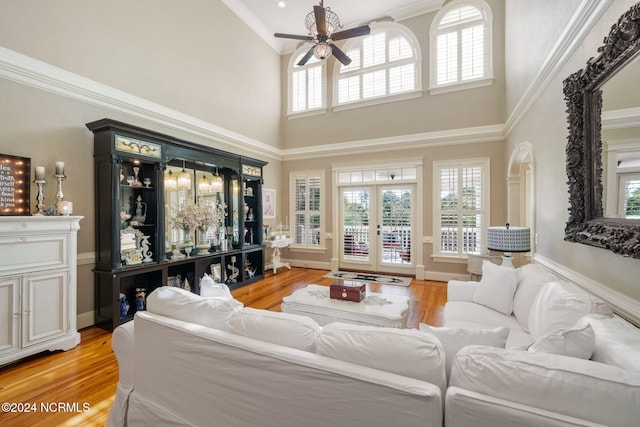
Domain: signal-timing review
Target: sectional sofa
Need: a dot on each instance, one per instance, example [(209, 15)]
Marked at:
[(519, 347)]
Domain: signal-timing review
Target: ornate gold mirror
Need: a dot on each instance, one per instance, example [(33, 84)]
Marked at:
[(583, 94)]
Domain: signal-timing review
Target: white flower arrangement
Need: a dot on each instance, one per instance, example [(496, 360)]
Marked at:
[(199, 216)]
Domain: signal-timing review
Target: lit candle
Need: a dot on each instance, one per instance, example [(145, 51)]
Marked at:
[(59, 168), (66, 208), (39, 173)]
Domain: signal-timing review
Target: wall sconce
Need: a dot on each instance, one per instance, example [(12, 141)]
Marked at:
[(170, 181), (184, 179)]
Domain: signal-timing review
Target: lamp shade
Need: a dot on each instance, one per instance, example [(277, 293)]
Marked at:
[(322, 50), (509, 239)]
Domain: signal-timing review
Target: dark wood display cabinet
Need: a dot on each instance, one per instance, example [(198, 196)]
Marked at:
[(148, 186)]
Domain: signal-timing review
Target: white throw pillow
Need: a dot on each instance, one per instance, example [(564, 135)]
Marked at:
[(209, 288), (531, 278), (617, 341), (184, 305), (290, 330), (453, 339), (559, 305), (407, 352), (576, 342), (496, 288)]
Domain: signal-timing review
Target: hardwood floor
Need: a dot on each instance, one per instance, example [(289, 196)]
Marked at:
[(76, 387)]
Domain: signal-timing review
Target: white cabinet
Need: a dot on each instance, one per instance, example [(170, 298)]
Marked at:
[(38, 258)]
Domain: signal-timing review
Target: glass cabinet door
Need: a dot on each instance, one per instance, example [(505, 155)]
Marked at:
[(236, 212), (138, 215)]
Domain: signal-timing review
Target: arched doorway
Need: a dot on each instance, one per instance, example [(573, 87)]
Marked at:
[(521, 194)]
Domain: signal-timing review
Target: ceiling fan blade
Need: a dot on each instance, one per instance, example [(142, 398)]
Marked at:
[(306, 57), (293, 36), (340, 55), (321, 22), (353, 32)]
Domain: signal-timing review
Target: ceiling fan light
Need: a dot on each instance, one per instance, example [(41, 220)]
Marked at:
[(322, 50), (332, 20)]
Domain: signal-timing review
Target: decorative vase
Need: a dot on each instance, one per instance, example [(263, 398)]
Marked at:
[(187, 244), (203, 244), (141, 296), (124, 306)]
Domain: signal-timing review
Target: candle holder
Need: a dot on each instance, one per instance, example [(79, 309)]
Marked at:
[(40, 197), (59, 194)]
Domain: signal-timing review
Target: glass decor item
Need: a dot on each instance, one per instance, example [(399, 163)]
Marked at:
[(124, 306), (141, 299)]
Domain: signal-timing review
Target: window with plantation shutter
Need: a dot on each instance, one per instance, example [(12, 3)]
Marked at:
[(461, 51), (307, 195), (306, 84), (629, 196), (385, 64), (461, 201)]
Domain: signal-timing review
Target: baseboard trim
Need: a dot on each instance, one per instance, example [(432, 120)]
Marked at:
[(318, 265), (623, 305), (440, 276), (84, 320)]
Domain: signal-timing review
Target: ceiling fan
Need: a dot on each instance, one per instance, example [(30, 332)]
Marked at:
[(322, 23)]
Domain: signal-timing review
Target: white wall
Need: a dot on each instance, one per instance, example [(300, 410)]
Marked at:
[(545, 126)]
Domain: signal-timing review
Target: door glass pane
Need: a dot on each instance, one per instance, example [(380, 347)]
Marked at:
[(396, 225), (355, 227)]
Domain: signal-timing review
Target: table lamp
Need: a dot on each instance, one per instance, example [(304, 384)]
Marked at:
[(508, 239)]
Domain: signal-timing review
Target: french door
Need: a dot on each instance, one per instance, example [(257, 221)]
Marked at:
[(376, 228)]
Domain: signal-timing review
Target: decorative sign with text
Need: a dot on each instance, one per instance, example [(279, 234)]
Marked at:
[(15, 173)]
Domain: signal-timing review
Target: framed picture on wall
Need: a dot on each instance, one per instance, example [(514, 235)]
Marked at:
[(268, 203)]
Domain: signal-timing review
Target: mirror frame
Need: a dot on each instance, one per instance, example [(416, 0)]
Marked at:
[(583, 94)]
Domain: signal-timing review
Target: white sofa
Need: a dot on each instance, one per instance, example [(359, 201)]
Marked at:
[(568, 360), (205, 361)]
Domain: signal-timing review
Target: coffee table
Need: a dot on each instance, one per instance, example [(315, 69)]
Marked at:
[(375, 309)]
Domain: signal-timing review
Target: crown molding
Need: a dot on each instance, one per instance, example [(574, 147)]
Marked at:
[(588, 13), (415, 9), (621, 119), (473, 135), (32, 72)]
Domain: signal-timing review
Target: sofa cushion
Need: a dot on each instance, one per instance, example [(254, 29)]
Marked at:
[(531, 278), (579, 388), (496, 288), (184, 305), (290, 330), (406, 352), (453, 339), (209, 288), (617, 342), (575, 342), (559, 305), (460, 314)]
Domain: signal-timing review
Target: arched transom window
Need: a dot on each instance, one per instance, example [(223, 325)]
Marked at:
[(384, 64), (306, 84), (460, 42)]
